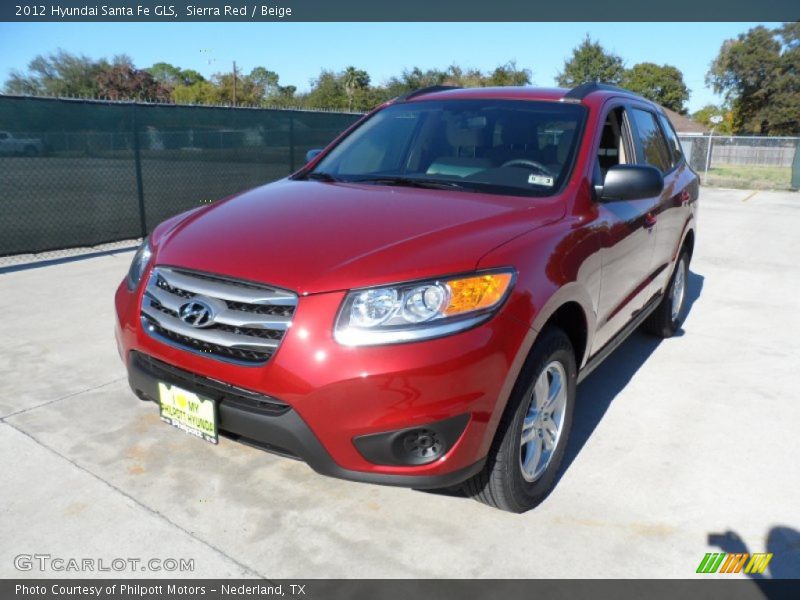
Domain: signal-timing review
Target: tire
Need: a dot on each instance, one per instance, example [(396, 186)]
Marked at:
[(502, 483), (30, 151), (666, 319)]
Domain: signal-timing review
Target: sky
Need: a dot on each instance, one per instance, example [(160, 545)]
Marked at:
[(298, 51)]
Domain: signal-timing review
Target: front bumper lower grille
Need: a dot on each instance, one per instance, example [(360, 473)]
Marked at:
[(246, 322), (228, 394)]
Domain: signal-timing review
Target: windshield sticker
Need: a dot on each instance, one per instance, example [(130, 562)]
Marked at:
[(540, 180)]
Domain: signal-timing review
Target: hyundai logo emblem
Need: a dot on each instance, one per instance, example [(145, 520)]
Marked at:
[(197, 314)]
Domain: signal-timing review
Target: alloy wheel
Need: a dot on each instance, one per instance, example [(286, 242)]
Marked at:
[(544, 421), (678, 290)]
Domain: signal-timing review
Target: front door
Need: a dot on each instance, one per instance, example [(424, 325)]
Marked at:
[(628, 241)]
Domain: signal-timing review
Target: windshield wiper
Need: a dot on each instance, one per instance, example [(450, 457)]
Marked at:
[(319, 176), (410, 182)]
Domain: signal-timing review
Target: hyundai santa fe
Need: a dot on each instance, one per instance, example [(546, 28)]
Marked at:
[(417, 304)]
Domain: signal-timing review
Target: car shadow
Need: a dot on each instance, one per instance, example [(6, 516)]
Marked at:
[(598, 390)]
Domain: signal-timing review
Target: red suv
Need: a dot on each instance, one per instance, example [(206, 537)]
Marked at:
[(417, 304)]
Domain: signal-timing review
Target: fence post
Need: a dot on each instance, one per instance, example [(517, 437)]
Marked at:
[(291, 142), (708, 156), (138, 162)]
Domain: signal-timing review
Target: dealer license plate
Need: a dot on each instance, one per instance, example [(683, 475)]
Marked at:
[(188, 411)]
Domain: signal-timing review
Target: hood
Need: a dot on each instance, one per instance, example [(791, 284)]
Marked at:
[(310, 236)]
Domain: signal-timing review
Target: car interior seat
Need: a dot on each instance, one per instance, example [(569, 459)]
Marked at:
[(517, 139), (468, 139), (558, 158)]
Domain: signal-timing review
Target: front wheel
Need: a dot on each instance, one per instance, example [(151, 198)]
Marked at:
[(529, 444), (666, 319)]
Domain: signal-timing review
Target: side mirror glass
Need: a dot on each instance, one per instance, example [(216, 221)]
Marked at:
[(631, 182), (312, 154)]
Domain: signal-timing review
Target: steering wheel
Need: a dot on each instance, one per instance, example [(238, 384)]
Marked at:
[(524, 162)]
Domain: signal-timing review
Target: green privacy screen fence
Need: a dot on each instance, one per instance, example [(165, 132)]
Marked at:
[(83, 172)]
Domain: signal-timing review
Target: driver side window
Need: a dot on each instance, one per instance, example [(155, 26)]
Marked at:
[(612, 150), (615, 145)]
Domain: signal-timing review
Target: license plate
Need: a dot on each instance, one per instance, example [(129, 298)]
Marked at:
[(188, 411)]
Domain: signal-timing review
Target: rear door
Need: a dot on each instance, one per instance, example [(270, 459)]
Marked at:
[(681, 189), (653, 149)]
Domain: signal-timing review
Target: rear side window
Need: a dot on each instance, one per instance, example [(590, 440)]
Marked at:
[(651, 146), (672, 140)]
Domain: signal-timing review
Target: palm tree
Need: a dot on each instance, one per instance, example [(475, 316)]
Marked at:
[(354, 79)]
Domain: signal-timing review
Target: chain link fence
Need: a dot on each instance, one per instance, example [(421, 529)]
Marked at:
[(750, 162), (80, 173), (85, 173)]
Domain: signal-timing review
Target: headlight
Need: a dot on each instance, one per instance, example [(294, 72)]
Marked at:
[(420, 310), (139, 264)]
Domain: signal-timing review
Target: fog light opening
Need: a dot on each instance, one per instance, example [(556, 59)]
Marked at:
[(414, 446), (423, 444)]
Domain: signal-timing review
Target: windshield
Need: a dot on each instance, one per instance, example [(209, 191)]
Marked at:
[(494, 146)]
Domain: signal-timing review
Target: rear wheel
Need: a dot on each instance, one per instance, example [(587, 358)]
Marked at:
[(529, 444), (666, 319)]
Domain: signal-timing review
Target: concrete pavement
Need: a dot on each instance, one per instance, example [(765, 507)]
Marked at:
[(681, 447)]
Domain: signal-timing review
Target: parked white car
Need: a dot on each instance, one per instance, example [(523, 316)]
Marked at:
[(10, 145)]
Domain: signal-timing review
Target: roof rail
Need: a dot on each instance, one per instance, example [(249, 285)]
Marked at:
[(427, 90), (580, 92)]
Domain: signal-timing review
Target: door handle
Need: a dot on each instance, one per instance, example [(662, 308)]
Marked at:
[(650, 220)]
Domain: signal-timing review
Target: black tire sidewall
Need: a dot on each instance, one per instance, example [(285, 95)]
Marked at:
[(524, 493), (675, 324)]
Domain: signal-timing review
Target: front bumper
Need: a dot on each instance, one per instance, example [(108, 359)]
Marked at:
[(331, 397)]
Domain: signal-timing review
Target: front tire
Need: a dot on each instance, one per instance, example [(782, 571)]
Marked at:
[(529, 445), (666, 319)]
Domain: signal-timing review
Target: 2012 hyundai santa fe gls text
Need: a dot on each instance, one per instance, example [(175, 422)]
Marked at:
[(417, 304)]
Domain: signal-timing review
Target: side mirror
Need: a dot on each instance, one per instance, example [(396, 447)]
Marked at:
[(631, 182), (312, 154)]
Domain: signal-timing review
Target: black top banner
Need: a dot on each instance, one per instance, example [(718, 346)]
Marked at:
[(405, 10)]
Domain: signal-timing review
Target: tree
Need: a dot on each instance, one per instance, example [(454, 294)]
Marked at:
[(265, 81), (759, 76), (710, 110), (166, 74), (785, 101), (327, 91), (123, 81), (284, 96), (590, 62), (247, 92), (509, 74), (171, 76), (201, 92), (57, 74), (661, 84), (416, 79), (354, 80)]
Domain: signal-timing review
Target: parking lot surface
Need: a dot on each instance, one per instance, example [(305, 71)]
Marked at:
[(680, 447)]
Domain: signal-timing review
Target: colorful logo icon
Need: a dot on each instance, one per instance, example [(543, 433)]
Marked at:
[(724, 562)]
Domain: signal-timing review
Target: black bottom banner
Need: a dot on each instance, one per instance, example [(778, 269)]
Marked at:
[(394, 589)]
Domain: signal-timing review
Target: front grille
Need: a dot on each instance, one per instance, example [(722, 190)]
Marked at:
[(247, 321), (283, 311)]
